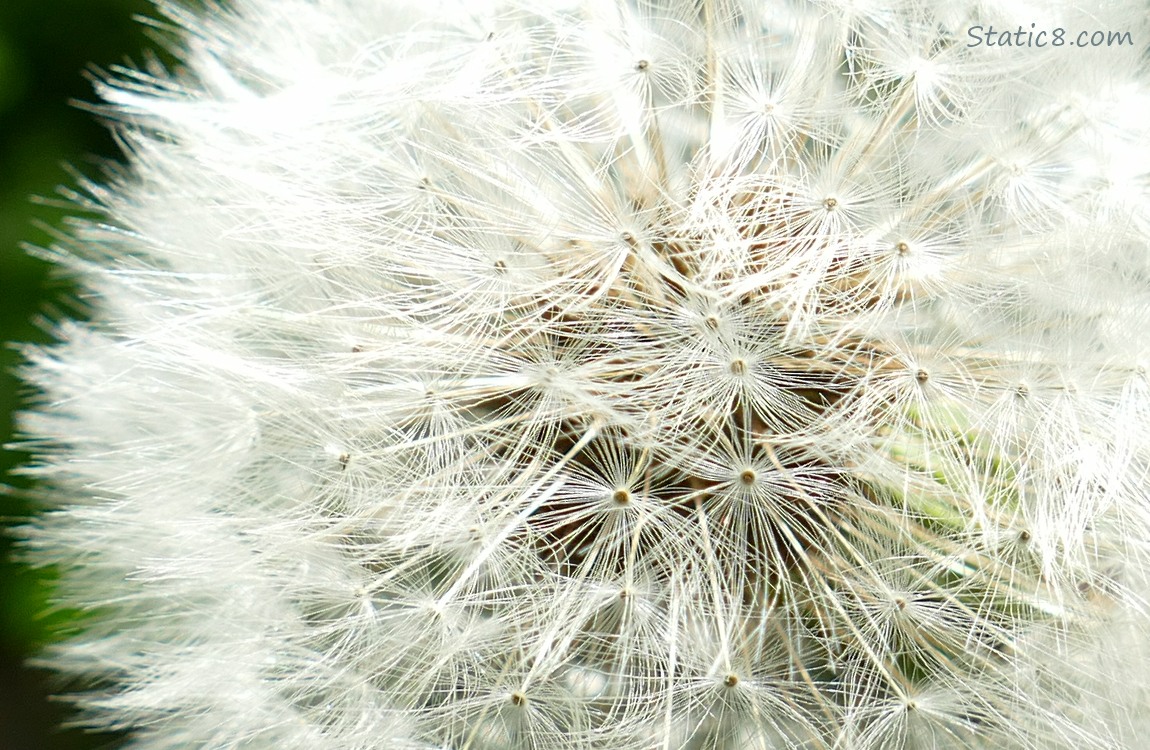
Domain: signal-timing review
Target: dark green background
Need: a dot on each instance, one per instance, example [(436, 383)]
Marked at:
[(45, 48)]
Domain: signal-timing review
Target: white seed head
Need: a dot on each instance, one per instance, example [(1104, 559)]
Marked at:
[(612, 375)]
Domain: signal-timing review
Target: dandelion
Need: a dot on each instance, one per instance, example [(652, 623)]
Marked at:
[(681, 374)]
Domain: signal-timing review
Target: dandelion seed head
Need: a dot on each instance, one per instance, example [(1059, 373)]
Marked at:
[(693, 375)]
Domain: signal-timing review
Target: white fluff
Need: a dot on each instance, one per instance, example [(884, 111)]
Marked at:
[(681, 374)]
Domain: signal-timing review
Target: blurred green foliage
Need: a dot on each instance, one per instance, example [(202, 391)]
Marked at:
[(45, 47)]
